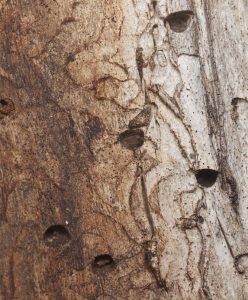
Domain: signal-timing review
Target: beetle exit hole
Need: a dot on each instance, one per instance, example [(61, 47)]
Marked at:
[(154, 4), (3, 103), (6, 107), (132, 139), (206, 177), (179, 21), (241, 263), (104, 260), (56, 235)]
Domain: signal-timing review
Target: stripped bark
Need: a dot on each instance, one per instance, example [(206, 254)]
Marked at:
[(123, 149)]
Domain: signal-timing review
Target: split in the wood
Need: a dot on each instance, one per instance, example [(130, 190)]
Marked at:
[(179, 21), (206, 177), (140, 61), (152, 263), (226, 239), (229, 185), (56, 236), (235, 101), (233, 192), (241, 260)]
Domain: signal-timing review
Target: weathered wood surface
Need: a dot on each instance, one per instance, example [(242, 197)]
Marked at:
[(109, 109)]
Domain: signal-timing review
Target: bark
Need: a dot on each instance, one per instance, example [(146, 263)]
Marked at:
[(123, 149)]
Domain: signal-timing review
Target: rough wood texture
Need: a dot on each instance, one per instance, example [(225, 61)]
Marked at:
[(123, 155)]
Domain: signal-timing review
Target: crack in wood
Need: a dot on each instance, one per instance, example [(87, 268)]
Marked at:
[(146, 203), (152, 263), (225, 238), (140, 62), (215, 109), (151, 257)]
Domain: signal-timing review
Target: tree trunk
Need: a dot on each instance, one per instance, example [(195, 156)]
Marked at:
[(123, 155)]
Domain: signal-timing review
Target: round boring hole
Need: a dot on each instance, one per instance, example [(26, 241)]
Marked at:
[(179, 21), (132, 139), (235, 101), (154, 4), (56, 236), (6, 107), (206, 177), (102, 261), (3, 103), (241, 263)]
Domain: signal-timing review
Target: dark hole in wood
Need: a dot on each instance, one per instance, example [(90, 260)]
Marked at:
[(235, 101), (6, 107), (200, 219), (132, 139), (3, 103), (206, 177), (102, 261), (56, 236), (179, 21), (241, 263), (154, 4)]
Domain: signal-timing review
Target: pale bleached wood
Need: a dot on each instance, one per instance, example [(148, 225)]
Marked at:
[(108, 109)]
